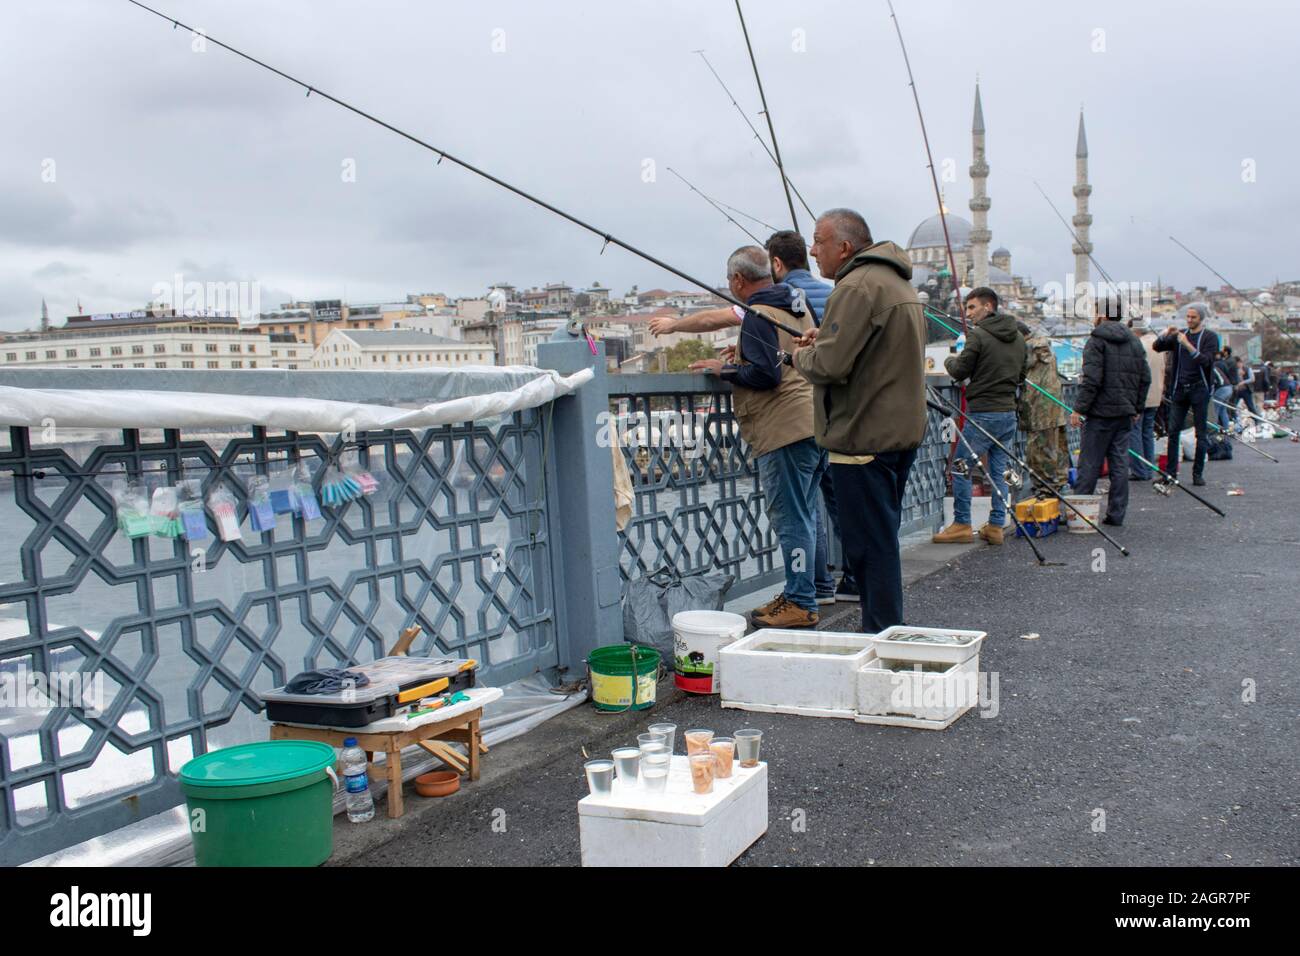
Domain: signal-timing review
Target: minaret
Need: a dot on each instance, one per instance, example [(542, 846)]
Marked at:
[(979, 204), (45, 316), (1082, 190)]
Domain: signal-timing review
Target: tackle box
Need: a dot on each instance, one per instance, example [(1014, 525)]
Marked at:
[(396, 683), (1038, 529), (1038, 510)]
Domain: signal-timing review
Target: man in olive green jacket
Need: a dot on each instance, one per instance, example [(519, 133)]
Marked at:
[(866, 364)]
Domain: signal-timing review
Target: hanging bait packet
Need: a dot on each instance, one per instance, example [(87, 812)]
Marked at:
[(304, 497), (367, 482), (338, 488), (282, 493), (163, 512), (261, 516), (194, 526), (221, 505), (132, 500)]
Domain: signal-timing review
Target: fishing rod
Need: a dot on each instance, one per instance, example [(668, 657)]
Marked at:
[(443, 154), (1237, 439), (776, 147), (931, 314), (1154, 467), (1008, 507), (1280, 326), (934, 176), (740, 212), (715, 205), (949, 411), (762, 142), (1259, 418)]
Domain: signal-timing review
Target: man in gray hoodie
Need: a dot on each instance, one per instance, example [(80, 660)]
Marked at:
[(994, 361)]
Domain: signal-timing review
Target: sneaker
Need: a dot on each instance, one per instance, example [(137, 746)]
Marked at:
[(848, 590), (991, 534), (955, 534), (1198, 481), (1112, 522), (786, 615), (825, 597)]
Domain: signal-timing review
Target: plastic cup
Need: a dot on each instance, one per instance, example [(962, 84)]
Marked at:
[(648, 743), (668, 730), (600, 777), (747, 743), (626, 761), (697, 741), (724, 752), (654, 771), (702, 772)]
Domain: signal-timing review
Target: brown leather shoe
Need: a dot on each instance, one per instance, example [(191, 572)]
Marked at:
[(765, 609), (991, 534), (786, 615), (955, 534)]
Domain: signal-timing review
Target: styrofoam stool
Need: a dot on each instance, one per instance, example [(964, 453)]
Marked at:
[(633, 827)]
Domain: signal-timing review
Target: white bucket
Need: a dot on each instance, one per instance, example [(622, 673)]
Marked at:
[(697, 638), (1090, 505)]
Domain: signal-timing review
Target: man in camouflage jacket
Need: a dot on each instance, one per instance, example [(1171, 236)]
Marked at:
[(1041, 419)]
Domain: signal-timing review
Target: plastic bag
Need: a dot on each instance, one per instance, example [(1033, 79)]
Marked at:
[(193, 526), (280, 491), (221, 505), (133, 518), (649, 604), (337, 488), (304, 496), (261, 516)]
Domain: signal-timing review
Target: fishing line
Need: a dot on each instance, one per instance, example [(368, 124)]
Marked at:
[(1280, 326), (608, 238), (715, 205), (776, 147)]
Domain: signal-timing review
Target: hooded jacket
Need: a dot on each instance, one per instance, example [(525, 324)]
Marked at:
[(994, 360), (1037, 411), (1116, 375), (815, 291), (867, 365)]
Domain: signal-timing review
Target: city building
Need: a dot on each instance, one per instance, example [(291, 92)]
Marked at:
[(144, 338), (397, 349)]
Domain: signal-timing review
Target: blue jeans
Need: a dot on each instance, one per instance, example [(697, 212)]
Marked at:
[(1002, 426), (1223, 394), (789, 478), (1142, 439)]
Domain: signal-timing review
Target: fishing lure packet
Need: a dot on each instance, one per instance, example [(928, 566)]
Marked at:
[(221, 505)]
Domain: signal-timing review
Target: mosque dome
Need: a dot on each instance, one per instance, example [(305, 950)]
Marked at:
[(1001, 251), (929, 234)]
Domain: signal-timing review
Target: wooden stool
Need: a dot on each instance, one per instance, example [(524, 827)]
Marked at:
[(434, 736)]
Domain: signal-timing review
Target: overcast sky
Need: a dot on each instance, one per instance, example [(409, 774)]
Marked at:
[(166, 160)]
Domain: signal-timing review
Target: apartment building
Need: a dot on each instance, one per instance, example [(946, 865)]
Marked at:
[(397, 349)]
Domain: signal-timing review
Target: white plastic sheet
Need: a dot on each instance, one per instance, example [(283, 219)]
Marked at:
[(135, 408)]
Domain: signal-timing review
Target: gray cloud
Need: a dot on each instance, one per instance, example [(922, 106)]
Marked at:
[(170, 160)]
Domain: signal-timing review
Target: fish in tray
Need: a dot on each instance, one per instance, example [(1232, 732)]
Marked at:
[(948, 640)]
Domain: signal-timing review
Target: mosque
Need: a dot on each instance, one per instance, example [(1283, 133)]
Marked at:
[(970, 240)]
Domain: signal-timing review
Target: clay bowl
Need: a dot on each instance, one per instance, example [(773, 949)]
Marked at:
[(439, 783)]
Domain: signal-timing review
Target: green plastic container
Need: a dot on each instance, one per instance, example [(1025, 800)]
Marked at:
[(612, 684), (262, 804)]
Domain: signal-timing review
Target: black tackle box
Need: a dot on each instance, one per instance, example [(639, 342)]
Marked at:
[(395, 684)]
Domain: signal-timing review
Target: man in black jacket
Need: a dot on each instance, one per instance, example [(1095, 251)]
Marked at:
[(1112, 393), (1188, 385)]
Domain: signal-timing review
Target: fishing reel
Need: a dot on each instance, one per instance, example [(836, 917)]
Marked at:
[(1165, 488), (960, 468), (1015, 481)]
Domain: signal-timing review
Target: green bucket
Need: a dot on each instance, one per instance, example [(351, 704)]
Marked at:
[(262, 804), (612, 669)]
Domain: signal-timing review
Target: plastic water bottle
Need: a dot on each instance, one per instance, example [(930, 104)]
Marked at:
[(361, 805)]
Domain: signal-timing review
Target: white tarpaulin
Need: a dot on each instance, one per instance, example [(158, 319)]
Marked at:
[(132, 408)]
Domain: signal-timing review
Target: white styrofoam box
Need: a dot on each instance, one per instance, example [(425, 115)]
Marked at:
[(933, 698), (981, 506), (634, 827), (922, 651), (794, 682)]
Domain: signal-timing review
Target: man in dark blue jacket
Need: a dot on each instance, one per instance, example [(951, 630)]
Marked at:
[(1188, 386)]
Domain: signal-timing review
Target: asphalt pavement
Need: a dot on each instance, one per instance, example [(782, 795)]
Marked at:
[(1148, 713)]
